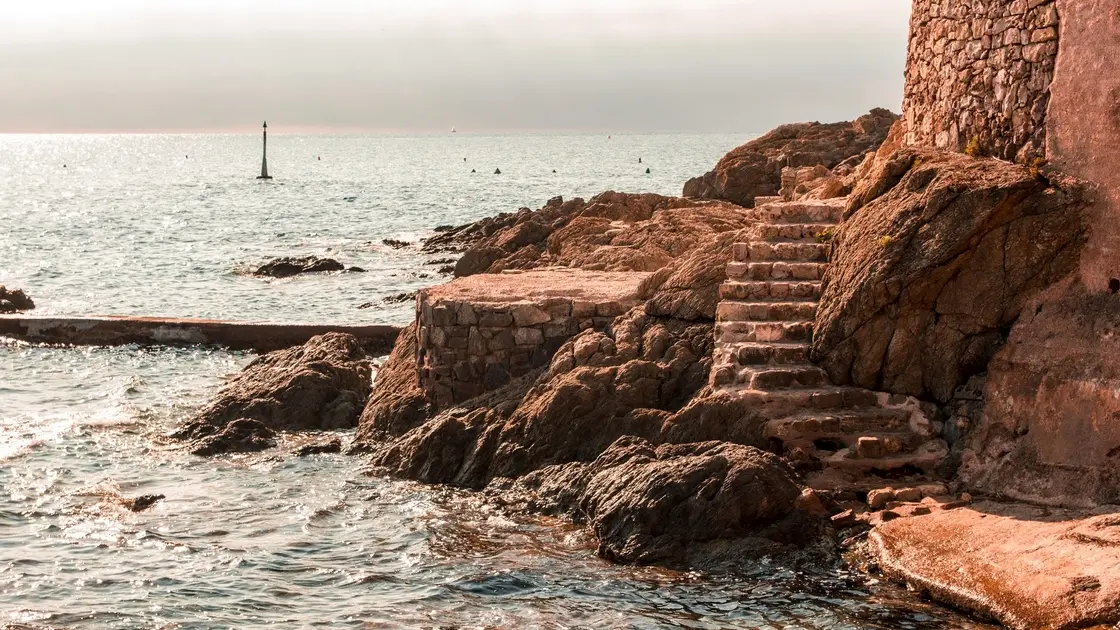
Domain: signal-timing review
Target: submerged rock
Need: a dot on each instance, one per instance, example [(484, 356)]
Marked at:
[(288, 266), (14, 300), (333, 445), (755, 169), (321, 385), (928, 276), (395, 244), (142, 502)]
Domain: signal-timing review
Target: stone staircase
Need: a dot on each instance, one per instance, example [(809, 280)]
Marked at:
[(845, 437)]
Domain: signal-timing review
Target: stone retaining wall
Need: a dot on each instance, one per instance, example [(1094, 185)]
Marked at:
[(978, 76), (475, 340)]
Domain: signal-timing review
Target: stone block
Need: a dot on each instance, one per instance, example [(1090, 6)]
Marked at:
[(443, 316), (502, 341), (582, 309), (467, 316), (529, 315), (496, 376), (476, 343), (528, 336), (495, 319)]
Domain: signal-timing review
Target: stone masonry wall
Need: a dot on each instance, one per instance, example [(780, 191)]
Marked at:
[(477, 333), (978, 76)]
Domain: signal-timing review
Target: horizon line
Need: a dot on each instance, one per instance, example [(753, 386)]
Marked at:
[(322, 130)]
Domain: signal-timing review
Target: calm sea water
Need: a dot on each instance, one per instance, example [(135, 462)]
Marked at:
[(166, 225)]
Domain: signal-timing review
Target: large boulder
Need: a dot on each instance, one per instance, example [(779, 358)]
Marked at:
[(927, 278), (611, 232), (755, 169), (1049, 431), (321, 385), (14, 300)]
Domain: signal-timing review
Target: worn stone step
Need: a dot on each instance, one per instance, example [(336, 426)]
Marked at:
[(769, 290), (748, 331), (763, 201), (783, 402), (783, 377), (746, 311), (798, 212), (815, 232), (925, 457), (845, 426), (761, 251), (748, 354), (777, 271)]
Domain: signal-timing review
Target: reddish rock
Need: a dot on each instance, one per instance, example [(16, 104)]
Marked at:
[(396, 403), (1024, 567), (287, 266), (688, 287), (1049, 432), (755, 169), (321, 385), (926, 280)]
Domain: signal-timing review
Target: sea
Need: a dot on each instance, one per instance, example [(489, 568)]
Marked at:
[(169, 225)]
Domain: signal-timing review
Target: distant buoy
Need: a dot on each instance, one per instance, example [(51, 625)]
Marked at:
[(497, 171), (553, 170), (186, 157), (318, 158), (63, 166), (464, 159), (472, 170), (639, 160), (647, 171)]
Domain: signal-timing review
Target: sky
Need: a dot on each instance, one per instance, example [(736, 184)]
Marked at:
[(429, 65)]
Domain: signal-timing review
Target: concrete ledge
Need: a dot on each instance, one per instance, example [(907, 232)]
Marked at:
[(108, 330)]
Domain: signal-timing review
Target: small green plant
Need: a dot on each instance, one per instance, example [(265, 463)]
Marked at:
[(825, 236), (973, 147), (886, 241)]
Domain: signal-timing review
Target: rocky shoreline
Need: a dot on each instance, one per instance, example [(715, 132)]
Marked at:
[(592, 360)]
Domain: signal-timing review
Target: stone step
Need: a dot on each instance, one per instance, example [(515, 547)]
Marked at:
[(784, 402), (925, 457), (815, 232), (776, 271), (769, 290), (798, 212), (744, 311), (739, 331), (782, 377), (747, 354), (792, 252), (843, 426), (763, 201)]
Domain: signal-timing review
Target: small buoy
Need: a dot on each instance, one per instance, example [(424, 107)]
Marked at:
[(497, 171), (186, 157), (464, 159), (63, 166), (318, 157), (639, 160), (472, 170), (647, 171), (553, 170)]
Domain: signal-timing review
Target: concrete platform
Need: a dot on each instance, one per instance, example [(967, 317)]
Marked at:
[(109, 330)]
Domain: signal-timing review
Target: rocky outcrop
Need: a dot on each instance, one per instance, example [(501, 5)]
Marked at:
[(321, 385), (755, 169), (672, 504), (688, 287), (611, 232), (1048, 433), (287, 266), (397, 403), (14, 300), (928, 277), (599, 386)]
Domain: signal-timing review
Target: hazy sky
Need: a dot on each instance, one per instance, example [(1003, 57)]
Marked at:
[(480, 65)]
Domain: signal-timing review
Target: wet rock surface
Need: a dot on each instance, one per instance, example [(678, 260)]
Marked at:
[(755, 169), (14, 300), (929, 274), (287, 267), (321, 385)]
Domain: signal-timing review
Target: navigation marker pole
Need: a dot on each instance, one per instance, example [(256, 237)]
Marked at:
[(264, 154)]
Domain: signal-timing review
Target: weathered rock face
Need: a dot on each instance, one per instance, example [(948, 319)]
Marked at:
[(649, 505), (978, 76), (288, 266), (321, 385), (634, 379), (688, 287), (14, 300), (612, 232), (755, 169), (397, 403), (1050, 431), (927, 279)]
